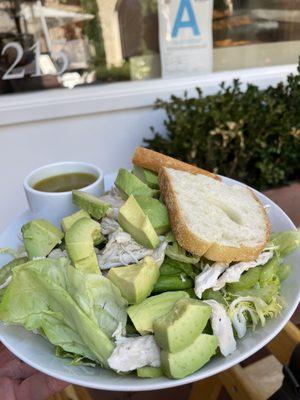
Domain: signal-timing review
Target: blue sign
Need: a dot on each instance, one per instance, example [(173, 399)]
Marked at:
[(180, 22)]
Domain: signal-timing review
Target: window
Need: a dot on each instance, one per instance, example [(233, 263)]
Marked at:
[(66, 43)]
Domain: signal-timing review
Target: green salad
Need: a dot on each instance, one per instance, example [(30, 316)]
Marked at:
[(112, 286)]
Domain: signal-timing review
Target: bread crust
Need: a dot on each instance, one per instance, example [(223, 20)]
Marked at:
[(191, 242), (153, 161)]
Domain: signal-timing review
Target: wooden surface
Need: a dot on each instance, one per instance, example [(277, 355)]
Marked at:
[(209, 389), (257, 381), (284, 343), (267, 373), (73, 393)]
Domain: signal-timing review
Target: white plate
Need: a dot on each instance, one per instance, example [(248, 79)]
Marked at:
[(38, 353)]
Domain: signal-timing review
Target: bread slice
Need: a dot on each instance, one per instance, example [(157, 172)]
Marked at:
[(209, 218), (153, 161)]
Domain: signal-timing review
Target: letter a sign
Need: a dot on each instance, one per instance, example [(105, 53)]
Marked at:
[(185, 37)]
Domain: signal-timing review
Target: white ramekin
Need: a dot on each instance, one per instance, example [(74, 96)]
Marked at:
[(62, 201)]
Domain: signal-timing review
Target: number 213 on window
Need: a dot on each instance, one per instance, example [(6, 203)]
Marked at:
[(36, 49)]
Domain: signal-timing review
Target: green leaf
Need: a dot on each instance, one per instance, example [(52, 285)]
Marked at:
[(283, 271), (247, 280), (174, 267), (210, 294), (266, 293), (38, 299), (6, 273), (75, 359), (99, 298), (285, 242), (177, 253)]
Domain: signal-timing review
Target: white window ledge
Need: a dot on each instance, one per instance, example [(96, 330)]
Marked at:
[(61, 103)]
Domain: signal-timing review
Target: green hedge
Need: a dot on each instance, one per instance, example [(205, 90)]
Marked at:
[(250, 135)]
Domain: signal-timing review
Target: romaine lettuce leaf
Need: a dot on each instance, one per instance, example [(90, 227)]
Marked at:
[(38, 299)]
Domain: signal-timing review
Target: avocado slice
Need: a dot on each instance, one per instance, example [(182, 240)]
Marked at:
[(40, 237), (146, 176), (91, 204), (185, 362), (80, 247), (149, 372), (135, 281), (128, 184), (179, 328), (156, 212), (68, 221), (144, 314), (134, 221)]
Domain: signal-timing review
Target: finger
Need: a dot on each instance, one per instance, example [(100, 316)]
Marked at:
[(16, 369), (39, 387)]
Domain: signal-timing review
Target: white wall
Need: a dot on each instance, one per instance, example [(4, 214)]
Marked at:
[(105, 140), (98, 125)]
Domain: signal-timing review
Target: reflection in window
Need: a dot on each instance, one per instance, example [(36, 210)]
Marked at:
[(66, 43)]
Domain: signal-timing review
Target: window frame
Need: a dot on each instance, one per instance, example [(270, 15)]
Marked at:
[(63, 103)]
